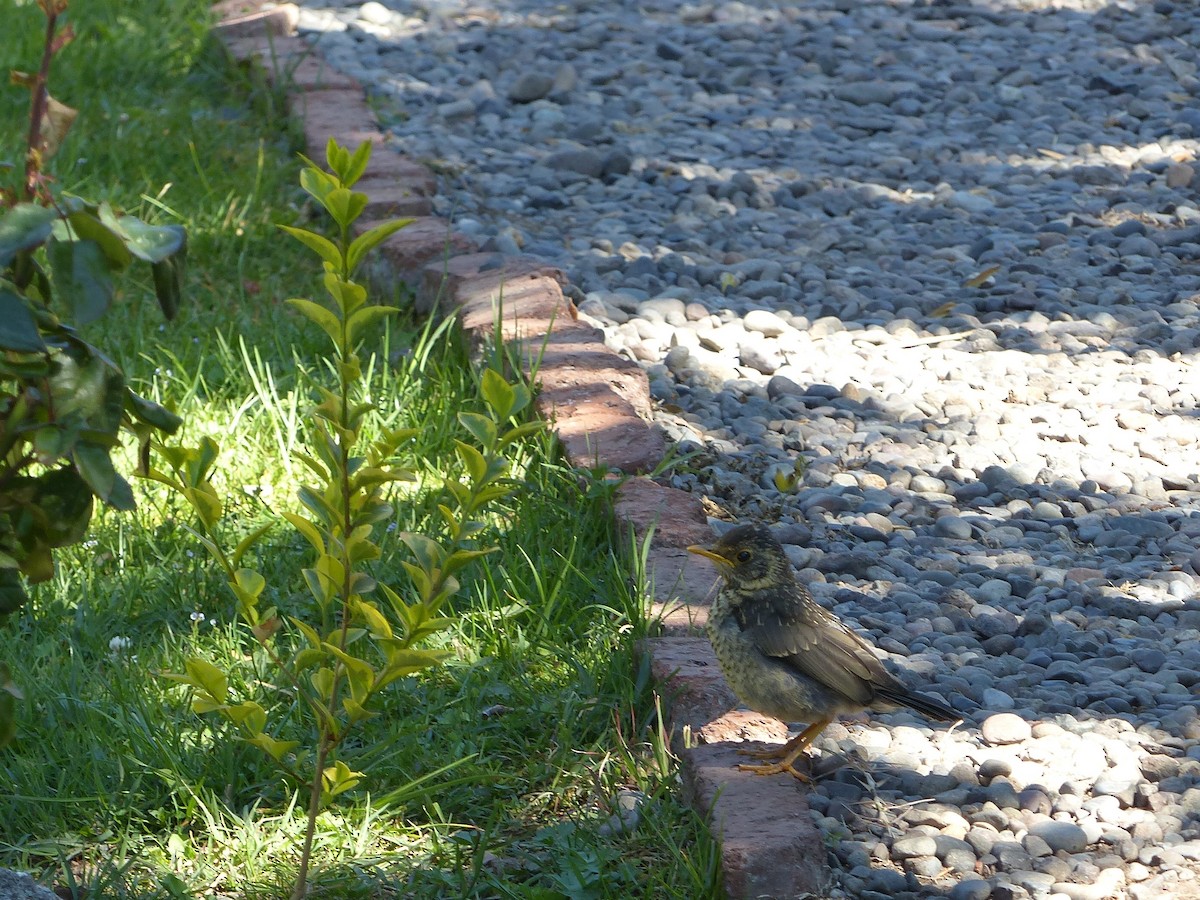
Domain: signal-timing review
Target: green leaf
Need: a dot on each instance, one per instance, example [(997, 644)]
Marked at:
[(429, 555), (207, 677), (377, 623), (318, 506), (325, 318), (18, 327), (249, 541), (521, 431), (84, 224), (84, 382), (337, 157), (348, 295), (406, 661), (344, 205), (365, 317), (356, 165), (277, 750), (355, 711), (310, 633), (308, 529), (338, 779), (151, 413), (307, 658), (151, 243), (322, 682), (372, 238), (249, 715), (248, 585), (358, 545), (498, 394), (481, 427), (168, 283), (207, 505), (476, 465), (322, 246), (24, 227), (358, 672), (95, 465), (203, 703), (82, 278), (317, 184)]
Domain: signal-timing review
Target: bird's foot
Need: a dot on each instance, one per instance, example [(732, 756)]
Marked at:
[(776, 752), (776, 769)]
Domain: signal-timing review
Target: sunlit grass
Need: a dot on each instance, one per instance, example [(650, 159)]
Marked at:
[(492, 776)]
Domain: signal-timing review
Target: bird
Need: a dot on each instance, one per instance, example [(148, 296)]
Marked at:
[(785, 656)]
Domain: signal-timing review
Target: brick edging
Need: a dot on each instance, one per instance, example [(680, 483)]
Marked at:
[(599, 404)]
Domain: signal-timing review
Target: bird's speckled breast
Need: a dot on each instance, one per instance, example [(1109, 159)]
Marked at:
[(764, 684)]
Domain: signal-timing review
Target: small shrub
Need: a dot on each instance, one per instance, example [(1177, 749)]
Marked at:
[(365, 633)]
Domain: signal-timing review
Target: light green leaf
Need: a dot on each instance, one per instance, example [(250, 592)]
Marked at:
[(372, 238), (377, 623), (481, 427), (208, 677), (498, 394), (318, 314), (356, 165), (338, 778), (322, 246), (152, 243), (317, 184), (365, 317), (359, 673), (310, 633), (476, 465), (249, 541), (355, 711), (344, 205), (308, 529), (276, 749), (247, 586)]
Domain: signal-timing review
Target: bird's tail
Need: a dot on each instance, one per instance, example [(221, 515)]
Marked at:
[(923, 704)]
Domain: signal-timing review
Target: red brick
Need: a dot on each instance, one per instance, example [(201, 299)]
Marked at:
[(389, 199), (339, 114), (387, 164), (427, 238), (249, 18)]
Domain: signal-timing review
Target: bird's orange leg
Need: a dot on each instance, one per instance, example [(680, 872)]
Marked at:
[(786, 753)]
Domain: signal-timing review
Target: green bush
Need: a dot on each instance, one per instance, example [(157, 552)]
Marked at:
[(63, 403)]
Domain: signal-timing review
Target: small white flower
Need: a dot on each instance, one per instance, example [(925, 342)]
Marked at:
[(119, 645), (197, 617)]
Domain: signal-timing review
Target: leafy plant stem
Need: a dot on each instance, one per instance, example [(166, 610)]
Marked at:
[(37, 111)]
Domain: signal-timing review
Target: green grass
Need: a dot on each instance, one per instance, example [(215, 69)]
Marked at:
[(494, 775)]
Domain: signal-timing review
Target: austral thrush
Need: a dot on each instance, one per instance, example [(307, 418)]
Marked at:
[(787, 657)]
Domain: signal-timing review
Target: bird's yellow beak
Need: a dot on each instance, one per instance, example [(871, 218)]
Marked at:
[(709, 554)]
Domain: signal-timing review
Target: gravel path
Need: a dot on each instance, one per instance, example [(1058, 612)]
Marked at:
[(920, 283)]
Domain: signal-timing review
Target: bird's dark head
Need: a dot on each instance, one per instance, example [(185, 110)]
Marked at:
[(748, 557)]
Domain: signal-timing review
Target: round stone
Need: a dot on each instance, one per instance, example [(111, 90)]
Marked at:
[(1065, 836), (1005, 728)]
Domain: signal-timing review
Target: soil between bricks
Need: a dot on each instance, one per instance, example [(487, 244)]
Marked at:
[(596, 402)]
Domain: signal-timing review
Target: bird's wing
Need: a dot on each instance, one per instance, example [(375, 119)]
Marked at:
[(792, 628)]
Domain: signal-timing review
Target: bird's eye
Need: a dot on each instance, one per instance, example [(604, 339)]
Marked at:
[(744, 556)]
